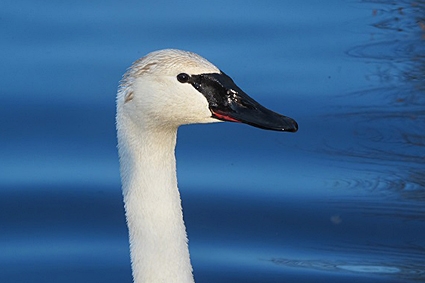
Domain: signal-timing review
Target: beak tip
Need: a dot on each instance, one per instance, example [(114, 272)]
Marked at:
[(294, 127), (290, 126)]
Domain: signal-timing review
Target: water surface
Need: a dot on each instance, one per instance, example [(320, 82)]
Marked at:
[(342, 200)]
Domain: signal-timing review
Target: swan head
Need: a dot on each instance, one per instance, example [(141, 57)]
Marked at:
[(169, 88)]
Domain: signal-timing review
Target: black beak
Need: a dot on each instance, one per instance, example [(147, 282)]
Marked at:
[(228, 102)]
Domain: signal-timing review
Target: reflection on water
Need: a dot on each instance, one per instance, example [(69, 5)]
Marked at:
[(391, 269), (388, 146), (405, 183), (390, 115)]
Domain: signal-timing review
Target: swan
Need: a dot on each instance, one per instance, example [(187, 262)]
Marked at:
[(157, 94)]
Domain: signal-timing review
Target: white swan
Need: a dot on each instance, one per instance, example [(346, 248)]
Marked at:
[(160, 92)]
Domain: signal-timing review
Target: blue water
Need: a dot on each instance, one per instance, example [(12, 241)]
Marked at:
[(342, 200)]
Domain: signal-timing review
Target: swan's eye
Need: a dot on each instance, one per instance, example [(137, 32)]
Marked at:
[(183, 78)]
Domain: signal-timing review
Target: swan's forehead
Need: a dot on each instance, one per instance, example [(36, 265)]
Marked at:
[(171, 62)]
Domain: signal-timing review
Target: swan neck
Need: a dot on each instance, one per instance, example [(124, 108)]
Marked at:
[(158, 241)]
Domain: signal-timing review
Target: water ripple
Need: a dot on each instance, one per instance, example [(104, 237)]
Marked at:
[(399, 270), (388, 120)]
